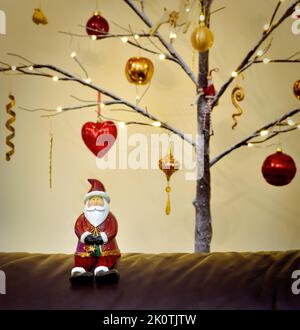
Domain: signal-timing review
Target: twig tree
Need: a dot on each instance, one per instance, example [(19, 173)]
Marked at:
[(203, 228)]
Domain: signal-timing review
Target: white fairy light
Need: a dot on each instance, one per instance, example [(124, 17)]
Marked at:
[(173, 35), (249, 144), (259, 52), (266, 60), (156, 124), (264, 133), (55, 78), (202, 18), (93, 37), (88, 80), (124, 39), (137, 98), (30, 68), (188, 9), (298, 126), (59, 109), (73, 54), (136, 36), (290, 122), (162, 56), (234, 74), (13, 67), (266, 27), (121, 124), (102, 105)]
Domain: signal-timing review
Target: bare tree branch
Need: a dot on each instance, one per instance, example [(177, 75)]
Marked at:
[(129, 42), (66, 76), (166, 44), (107, 35), (275, 12), (256, 133), (278, 61), (264, 36)]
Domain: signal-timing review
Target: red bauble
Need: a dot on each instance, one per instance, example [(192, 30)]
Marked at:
[(97, 25), (99, 137), (279, 169)]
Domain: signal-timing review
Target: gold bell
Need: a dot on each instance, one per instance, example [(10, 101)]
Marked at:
[(38, 17)]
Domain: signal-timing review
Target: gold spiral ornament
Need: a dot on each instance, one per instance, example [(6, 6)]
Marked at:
[(237, 95), (9, 126), (50, 160)]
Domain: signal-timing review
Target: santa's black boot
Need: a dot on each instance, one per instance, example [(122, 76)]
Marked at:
[(107, 277), (82, 278)]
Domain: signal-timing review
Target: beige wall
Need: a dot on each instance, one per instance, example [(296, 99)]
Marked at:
[(248, 214)]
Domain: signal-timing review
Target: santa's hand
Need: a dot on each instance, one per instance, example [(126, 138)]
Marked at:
[(98, 240), (90, 240)]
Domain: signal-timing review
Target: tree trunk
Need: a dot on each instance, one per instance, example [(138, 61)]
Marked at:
[(203, 228)]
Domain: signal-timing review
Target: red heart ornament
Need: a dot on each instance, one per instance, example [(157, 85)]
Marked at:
[(99, 137)]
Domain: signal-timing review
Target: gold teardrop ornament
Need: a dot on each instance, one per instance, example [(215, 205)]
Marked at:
[(169, 165)]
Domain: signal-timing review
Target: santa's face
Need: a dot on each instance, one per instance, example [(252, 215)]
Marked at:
[(96, 210), (95, 201)]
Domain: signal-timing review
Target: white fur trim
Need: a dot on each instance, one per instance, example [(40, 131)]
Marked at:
[(96, 193), (100, 268), (77, 269), (104, 237), (84, 235)]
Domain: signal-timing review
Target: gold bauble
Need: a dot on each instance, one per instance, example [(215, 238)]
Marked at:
[(202, 38), (297, 89), (139, 70)]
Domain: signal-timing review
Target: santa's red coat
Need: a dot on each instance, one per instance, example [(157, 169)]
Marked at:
[(109, 226)]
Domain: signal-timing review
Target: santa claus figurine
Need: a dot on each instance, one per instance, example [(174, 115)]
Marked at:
[(97, 250)]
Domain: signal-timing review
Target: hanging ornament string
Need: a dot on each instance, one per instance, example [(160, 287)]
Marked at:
[(237, 95), (137, 96), (99, 107), (193, 59), (97, 5), (9, 126), (279, 145), (50, 152)]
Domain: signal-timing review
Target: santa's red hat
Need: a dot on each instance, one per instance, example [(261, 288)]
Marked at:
[(97, 189)]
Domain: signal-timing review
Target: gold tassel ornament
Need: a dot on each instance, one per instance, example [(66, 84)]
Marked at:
[(168, 165), (9, 126)]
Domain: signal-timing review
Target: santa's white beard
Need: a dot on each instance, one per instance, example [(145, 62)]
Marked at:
[(96, 214)]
